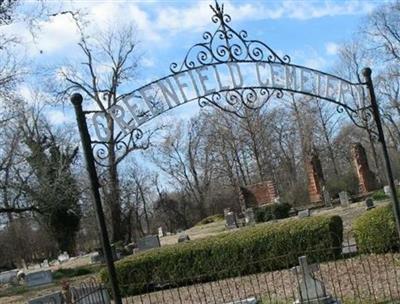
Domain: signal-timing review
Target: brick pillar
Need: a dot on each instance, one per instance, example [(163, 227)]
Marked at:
[(315, 178), (272, 193), (366, 178)]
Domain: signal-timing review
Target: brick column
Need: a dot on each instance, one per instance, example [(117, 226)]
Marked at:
[(315, 178), (366, 178)]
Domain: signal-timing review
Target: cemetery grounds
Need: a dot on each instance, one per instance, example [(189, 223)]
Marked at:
[(347, 278)]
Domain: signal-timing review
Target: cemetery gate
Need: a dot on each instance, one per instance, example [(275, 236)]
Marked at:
[(234, 73)]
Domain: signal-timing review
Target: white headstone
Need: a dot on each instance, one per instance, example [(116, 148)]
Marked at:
[(38, 278), (8, 276), (160, 232), (327, 198), (63, 257), (304, 213), (250, 217), (311, 290), (344, 199), (386, 189), (55, 298), (251, 300)]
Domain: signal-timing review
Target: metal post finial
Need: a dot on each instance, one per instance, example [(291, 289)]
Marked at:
[(367, 72), (76, 99)]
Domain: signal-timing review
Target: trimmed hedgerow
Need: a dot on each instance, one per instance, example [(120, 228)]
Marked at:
[(265, 247), (272, 212), (379, 195), (375, 231)]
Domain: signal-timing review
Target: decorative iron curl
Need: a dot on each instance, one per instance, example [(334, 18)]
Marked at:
[(237, 101), (122, 146), (361, 117), (226, 45)]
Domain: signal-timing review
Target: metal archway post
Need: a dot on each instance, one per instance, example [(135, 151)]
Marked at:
[(381, 138), (76, 100)]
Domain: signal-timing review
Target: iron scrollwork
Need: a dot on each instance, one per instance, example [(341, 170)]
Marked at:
[(226, 45)]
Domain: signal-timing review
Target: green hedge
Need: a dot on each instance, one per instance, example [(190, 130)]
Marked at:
[(272, 211), (379, 195), (265, 247), (375, 230)]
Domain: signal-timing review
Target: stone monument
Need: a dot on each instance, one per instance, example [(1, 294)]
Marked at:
[(311, 290)]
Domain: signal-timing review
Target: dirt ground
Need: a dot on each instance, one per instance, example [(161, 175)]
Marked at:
[(23, 294)]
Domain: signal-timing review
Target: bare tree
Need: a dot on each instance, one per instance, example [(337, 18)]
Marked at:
[(109, 61)]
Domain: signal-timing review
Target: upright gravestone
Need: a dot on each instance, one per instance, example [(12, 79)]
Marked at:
[(38, 278), (161, 232), (183, 237), (327, 197), (8, 276), (63, 257), (369, 203), (55, 298), (311, 290), (344, 199), (386, 189), (148, 242), (250, 217), (230, 220), (304, 213)]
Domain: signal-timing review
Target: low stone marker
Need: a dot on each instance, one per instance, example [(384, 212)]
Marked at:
[(160, 232), (327, 198), (369, 203), (304, 213), (183, 237), (148, 242), (230, 220), (386, 189), (55, 298), (311, 290), (8, 276), (63, 257), (250, 217), (38, 278), (90, 295), (344, 199), (251, 300)]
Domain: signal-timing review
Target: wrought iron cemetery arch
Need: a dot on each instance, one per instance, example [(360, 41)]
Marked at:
[(228, 49)]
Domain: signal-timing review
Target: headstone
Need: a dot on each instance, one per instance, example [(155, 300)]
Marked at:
[(63, 257), (230, 220), (304, 213), (344, 199), (369, 203), (8, 276), (251, 300), (149, 242), (38, 278), (183, 237), (311, 290), (386, 189), (160, 232), (250, 217), (45, 263), (327, 197), (90, 295), (55, 298)]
